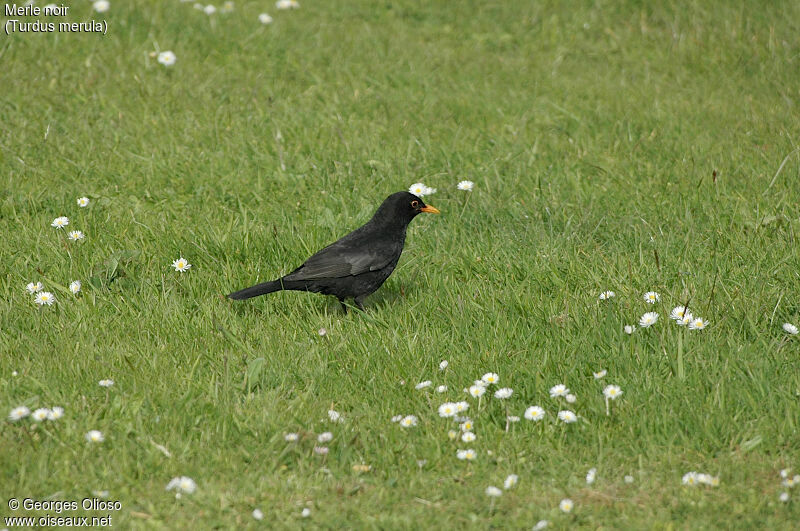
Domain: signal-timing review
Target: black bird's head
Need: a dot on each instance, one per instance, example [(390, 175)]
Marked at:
[(402, 207)]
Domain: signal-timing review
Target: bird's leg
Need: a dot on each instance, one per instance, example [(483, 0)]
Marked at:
[(344, 306), (360, 302)]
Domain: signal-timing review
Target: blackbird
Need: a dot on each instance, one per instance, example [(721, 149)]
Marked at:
[(357, 264)]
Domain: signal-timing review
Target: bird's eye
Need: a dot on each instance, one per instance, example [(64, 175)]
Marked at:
[(414, 204)]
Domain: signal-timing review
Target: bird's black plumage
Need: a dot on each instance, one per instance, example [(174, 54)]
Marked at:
[(357, 264)]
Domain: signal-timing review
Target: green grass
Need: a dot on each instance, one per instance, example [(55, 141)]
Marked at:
[(592, 133)]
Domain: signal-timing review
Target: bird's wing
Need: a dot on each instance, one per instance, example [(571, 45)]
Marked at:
[(340, 260)]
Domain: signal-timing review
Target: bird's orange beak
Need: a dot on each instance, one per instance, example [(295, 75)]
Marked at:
[(430, 209)]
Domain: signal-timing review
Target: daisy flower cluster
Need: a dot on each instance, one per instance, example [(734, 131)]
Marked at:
[(38, 415), (680, 314), (43, 414), (487, 395), (693, 479), (320, 442), (168, 58), (788, 481), (43, 297), (421, 189)]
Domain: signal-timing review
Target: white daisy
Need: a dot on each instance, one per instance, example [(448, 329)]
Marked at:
[(467, 425), (55, 413), (76, 235), (510, 481), (503, 393), (60, 222), (106, 383), (559, 390), (257, 514), (452, 434), (789, 328), (44, 298), (784, 497), (698, 323), (567, 416), (571, 398), (512, 418), (541, 524), (321, 450), (466, 186), (167, 58), (209, 9), (75, 287), (325, 437), (685, 320), (493, 491), (429, 190), (566, 505), (264, 18), (461, 406), (467, 436), (418, 189), (423, 385), (83, 202), (306, 512), (40, 414), (690, 479), (477, 390), (590, 476), (599, 374), (95, 436), (334, 416), (409, 421), (33, 287), (467, 455), (648, 319), (443, 365), (101, 6), (441, 389), (612, 392), (651, 297), (534, 413), (182, 484), (678, 312), (628, 479), (448, 409), (322, 332), (490, 378), (227, 7), (181, 265), (607, 295), (18, 413), (629, 329), (291, 437)]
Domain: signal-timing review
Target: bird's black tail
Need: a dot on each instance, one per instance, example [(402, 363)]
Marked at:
[(255, 291)]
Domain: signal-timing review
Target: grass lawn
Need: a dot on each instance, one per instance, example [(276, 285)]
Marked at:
[(625, 146)]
